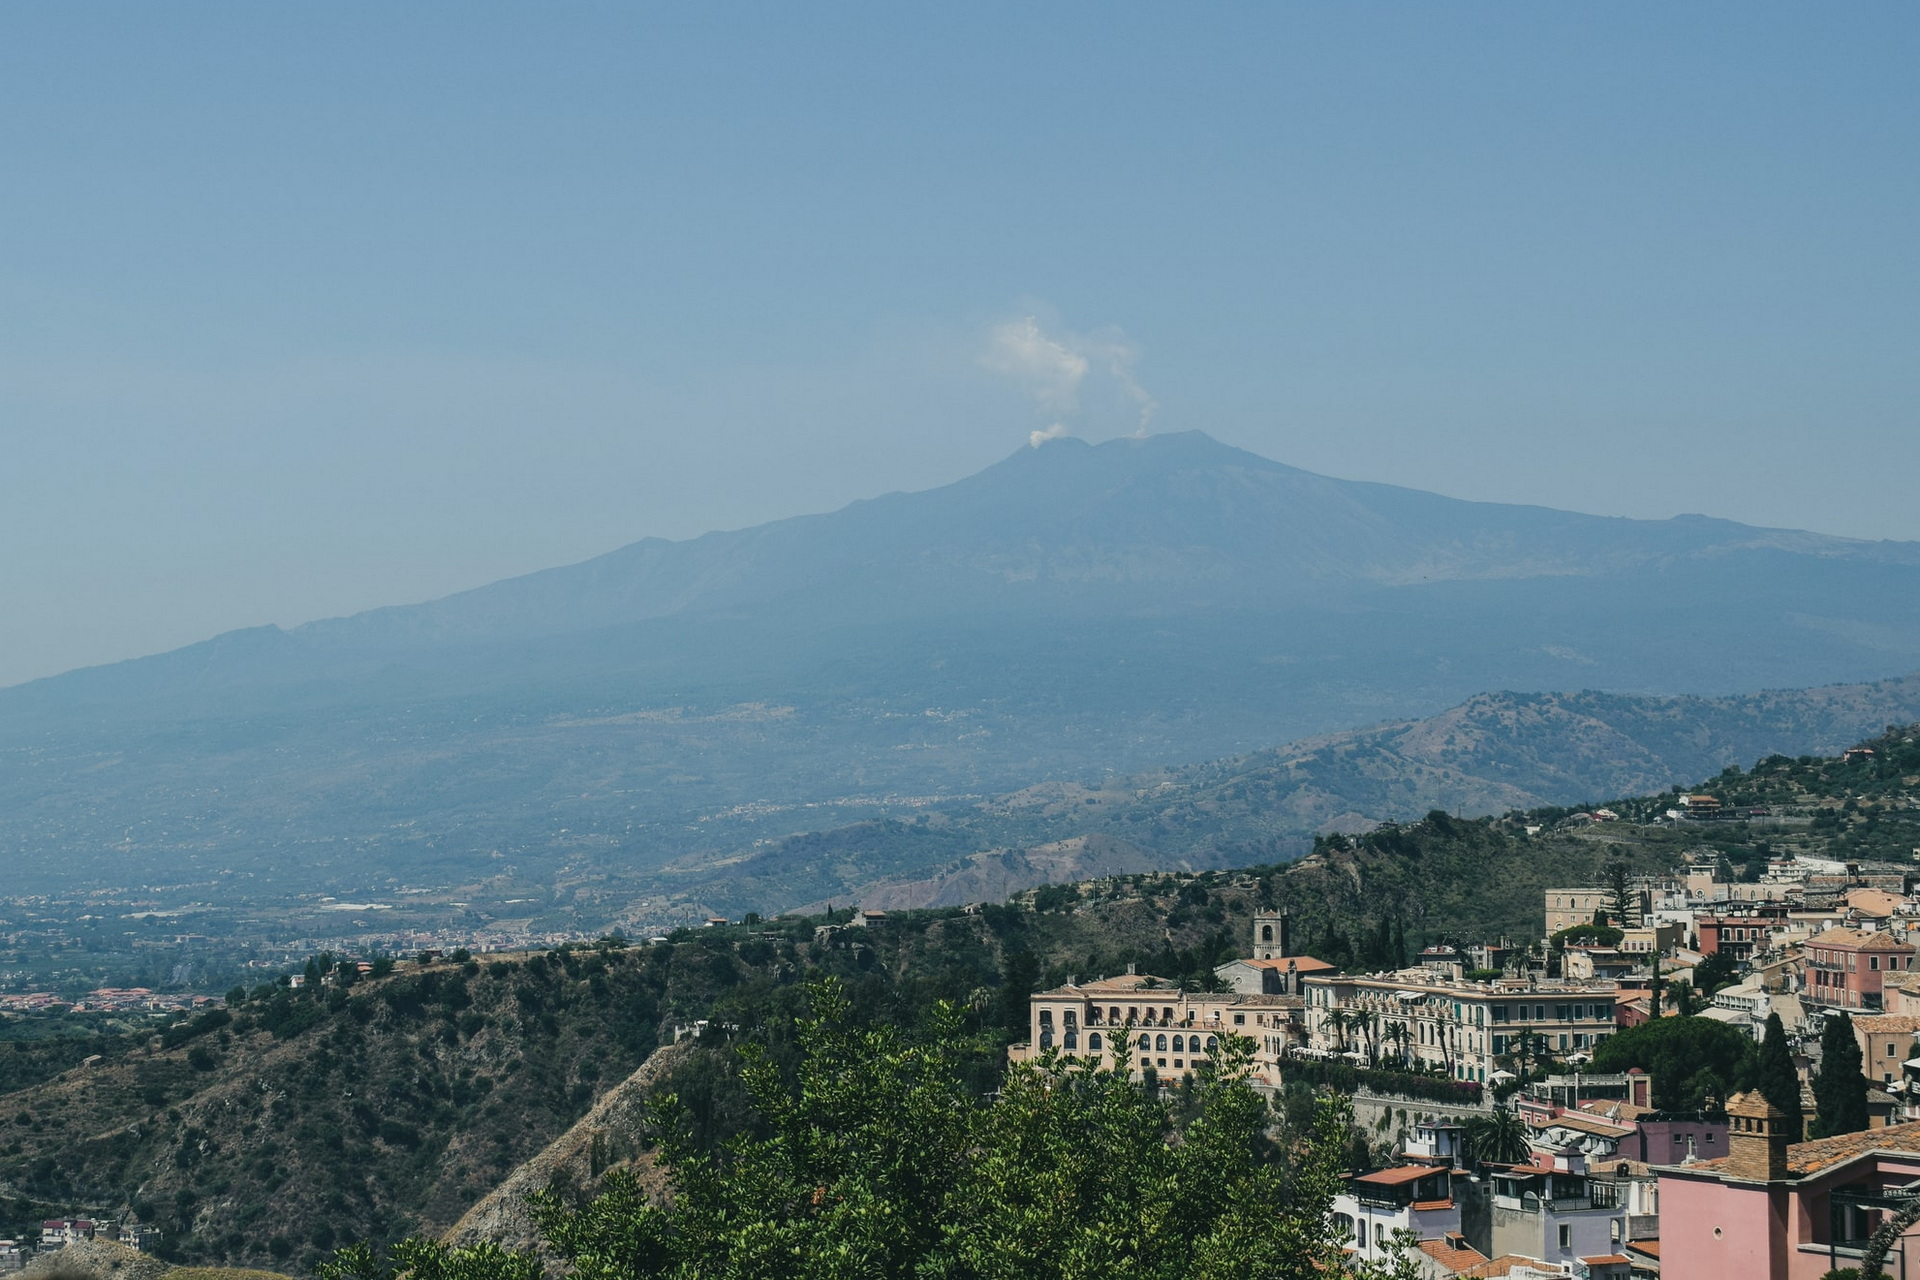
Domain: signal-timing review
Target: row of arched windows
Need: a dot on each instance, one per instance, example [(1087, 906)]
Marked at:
[(1181, 1044)]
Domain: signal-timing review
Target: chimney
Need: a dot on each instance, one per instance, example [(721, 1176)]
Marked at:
[(1757, 1138)]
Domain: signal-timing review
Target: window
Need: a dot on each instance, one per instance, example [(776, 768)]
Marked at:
[(1146, 1042), (1046, 1017), (1093, 1041), (1046, 1037), (1360, 1234), (1873, 963), (1073, 1039), (1239, 1019), (1160, 1043), (1179, 1044), (1211, 1043), (1072, 1019), (1889, 1048), (1566, 1235)]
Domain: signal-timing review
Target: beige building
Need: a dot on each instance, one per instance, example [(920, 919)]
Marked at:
[(1569, 907), (1459, 1027), (1170, 1030)]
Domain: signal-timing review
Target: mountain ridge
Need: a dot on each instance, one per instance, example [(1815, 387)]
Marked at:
[(1073, 611)]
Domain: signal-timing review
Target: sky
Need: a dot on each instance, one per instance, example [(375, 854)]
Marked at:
[(308, 309)]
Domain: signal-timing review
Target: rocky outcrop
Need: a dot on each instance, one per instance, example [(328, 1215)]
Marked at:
[(610, 1135)]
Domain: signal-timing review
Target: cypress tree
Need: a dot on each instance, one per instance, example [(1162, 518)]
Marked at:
[(1779, 1083), (1399, 943), (1840, 1086)]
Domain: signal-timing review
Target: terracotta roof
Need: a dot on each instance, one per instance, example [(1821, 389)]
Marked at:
[(1428, 1206), (1858, 939), (1300, 964), (1589, 1124), (1450, 1258), (1608, 1260), (1399, 1174), (1500, 1266), (1804, 1158), (1887, 1023), (1649, 1248)]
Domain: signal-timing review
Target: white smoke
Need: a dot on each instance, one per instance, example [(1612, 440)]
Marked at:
[(1055, 368)]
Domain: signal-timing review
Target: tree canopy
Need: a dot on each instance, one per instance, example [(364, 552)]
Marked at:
[(1840, 1085), (1694, 1062), (873, 1160)]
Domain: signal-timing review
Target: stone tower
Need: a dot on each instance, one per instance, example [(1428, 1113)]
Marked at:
[(1757, 1138), (1272, 935)]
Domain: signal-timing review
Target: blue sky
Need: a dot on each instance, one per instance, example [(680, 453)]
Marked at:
[(313, 308)]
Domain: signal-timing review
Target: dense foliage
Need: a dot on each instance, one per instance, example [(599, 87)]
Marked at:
[(1840, 1085), (875, 1161), (1696, 1063)]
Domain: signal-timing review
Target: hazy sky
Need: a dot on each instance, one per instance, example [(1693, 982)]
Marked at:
[(313, 308)]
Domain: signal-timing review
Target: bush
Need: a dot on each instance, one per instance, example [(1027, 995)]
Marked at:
[(1342, 1078)]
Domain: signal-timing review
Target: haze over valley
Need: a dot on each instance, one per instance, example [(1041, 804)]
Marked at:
[(633, 740)]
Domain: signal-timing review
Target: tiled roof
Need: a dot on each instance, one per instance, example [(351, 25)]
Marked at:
[(1500, 1266), (1300, 964), (1887, 1023), (1648, 1248), (1398, 1174), (1430, 1206), (1608, 1260), (1588, 1124), (1450, 1258), (1804, 1158), (1860, 939)]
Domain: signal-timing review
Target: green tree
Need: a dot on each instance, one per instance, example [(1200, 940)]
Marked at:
[(1775, 1077), (1693, 1061), (871, 1159), (1840, 1085), (1498, 1138), (1716, 971)]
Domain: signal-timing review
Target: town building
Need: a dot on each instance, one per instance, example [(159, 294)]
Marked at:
[(1458, 1027), (1886, 1042), (1555, 1210), (1166, 1029), (57, 1233), (1409, 1197), (1847, 968), (1774, 1209), (1279, 976)]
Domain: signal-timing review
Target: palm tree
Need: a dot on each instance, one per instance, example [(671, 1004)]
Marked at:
[(1498, 1138), (1397, 1034), (1339, 1021)]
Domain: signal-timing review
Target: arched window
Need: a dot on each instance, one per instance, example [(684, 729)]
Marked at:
[(1266, 933), (1073, 1039), (1360, 1234), (1211, 1042), (1146, 1041), (1046, 1037), (1179, 1044), (1093, 1041), (1160, 1045)]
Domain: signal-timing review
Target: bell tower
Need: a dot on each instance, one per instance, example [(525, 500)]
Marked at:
[(1272, 935)]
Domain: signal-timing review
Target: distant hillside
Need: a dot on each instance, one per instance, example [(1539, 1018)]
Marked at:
[(1491, 754), (1074, 611)]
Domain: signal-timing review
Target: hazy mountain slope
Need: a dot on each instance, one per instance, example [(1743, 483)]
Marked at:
[(1491, 754), (1070, 611)]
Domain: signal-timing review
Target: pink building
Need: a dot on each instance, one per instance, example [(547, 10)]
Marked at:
[(1773, 1209), (1847, 968)]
